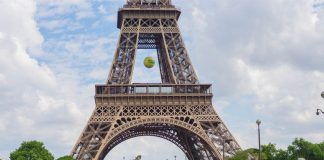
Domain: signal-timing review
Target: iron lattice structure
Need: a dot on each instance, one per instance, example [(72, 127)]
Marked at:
[(179, 109)]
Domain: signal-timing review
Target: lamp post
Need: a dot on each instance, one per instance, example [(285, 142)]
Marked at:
[(319, 111), (258, 122)]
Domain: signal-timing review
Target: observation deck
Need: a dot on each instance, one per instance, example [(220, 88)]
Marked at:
[(154, 94), (147, 9), (155, 89), (175, 101)]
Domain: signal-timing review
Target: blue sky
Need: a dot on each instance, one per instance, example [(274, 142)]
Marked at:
[(264, 59)]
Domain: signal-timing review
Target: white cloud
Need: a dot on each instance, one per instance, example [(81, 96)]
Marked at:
[(102, 10), (56, 8), (35, 103), (264, 58), (22, 28), (267, 62), (111, 18), (54, 24), (287, 99)]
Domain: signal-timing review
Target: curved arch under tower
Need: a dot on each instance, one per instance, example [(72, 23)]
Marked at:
[(168, 129)]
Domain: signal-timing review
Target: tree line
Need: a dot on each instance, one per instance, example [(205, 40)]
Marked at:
[(35, 150), (300, 148)]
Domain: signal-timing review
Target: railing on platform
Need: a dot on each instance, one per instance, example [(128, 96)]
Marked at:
[(149, 3), (153, 89)]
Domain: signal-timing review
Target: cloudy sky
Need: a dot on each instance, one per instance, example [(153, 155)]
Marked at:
[(264, 58)]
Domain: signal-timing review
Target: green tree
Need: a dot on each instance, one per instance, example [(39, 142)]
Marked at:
[(241, 155), (272, 153), (305, 149), (244, 155), (32, 150), (299, 148), (321, 145), (269, 151), (281, 155), (66, 158)]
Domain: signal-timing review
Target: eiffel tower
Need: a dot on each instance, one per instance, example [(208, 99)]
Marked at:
[(179, 109)]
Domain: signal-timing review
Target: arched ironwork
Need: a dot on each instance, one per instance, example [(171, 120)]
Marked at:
[(179, 109)]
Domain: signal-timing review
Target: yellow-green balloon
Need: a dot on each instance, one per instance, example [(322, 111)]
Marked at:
[(149, 62)]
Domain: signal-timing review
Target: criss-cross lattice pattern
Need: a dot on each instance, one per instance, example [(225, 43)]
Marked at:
[(148, 3), (179, 109), (193, 123), (150, 33)]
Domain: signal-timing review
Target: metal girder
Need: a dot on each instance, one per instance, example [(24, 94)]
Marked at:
[(179, 110), (173, 134), (183, 114), (136, 3), (162, 34)]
